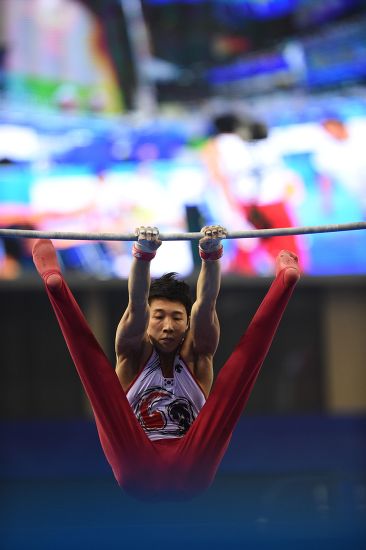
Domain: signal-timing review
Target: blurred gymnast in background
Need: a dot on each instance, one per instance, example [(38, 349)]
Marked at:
[(254, 189)]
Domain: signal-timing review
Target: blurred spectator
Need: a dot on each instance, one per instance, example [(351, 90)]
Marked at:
[(254, 189)]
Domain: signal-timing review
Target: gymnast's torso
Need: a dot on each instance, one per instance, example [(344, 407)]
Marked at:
[(165, 407)]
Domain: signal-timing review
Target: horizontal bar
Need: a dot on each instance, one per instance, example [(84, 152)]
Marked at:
[(251, 233)]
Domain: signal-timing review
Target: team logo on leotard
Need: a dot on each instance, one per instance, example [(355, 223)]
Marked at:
[(159, 410), (147, 414), (180, 412)]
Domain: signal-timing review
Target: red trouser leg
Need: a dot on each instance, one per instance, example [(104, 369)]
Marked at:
[(176, 467), (125, 444), (202, 448)]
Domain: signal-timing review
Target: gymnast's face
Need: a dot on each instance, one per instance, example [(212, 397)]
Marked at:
[(168, 324)]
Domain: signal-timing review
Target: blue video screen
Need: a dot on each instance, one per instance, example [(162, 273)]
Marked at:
[(115, 177), (72, 160)]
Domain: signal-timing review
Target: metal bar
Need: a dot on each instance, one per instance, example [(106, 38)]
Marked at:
[(248, 234)]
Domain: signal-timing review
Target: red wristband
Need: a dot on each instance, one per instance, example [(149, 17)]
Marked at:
[(214, 255), (141, 255)]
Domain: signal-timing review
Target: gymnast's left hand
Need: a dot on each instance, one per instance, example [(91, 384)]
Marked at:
[(213, 234)]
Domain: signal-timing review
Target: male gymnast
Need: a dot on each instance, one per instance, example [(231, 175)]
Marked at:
[(163, 424)]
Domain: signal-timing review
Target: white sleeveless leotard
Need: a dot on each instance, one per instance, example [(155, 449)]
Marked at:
[(165, 407)]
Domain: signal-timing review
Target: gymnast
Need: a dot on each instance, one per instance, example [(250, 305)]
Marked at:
[(162, 429)]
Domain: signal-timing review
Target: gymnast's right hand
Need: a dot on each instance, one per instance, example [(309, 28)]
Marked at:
[(147, 239)]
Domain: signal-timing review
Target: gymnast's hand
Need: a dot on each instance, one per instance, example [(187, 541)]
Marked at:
[(210, 246), (147, 239)]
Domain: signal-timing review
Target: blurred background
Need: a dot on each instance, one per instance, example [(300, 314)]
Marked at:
[(248, 113)]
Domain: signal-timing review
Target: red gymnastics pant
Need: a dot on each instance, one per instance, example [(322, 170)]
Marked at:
[(170, 468)]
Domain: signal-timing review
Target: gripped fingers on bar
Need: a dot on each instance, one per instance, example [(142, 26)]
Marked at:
[(252, 233)]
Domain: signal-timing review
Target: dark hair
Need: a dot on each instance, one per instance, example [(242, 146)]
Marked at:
[(226, 124), (258, 131), (173, 289)]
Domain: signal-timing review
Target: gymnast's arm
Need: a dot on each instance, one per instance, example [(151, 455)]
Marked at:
[(131, 340), (204, 326)]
